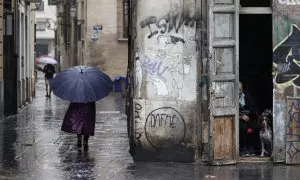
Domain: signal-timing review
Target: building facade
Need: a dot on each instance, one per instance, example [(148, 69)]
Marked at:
[(186, 61), (45, 29), (25, 44), (93, 34), (18, 54)]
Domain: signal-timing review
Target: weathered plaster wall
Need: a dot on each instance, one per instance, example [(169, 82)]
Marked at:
[(105, 51), (286, 61), (166, 79)]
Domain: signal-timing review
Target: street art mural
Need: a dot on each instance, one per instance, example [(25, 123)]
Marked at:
[(163, 127), (167, 59), (286, 79), (293, 131), (286, 59), (166, 123), (165, 78)]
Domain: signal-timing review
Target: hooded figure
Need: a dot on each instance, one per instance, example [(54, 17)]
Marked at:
[(80, 119)]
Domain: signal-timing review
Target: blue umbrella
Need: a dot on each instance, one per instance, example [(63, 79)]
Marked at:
[(81, 84)]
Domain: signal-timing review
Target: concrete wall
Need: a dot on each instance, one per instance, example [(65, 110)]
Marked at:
[(166, 79), (286, 57), (107, 52)]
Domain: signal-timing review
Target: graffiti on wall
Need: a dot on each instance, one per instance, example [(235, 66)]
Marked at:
[(96, 30), (165, 127), (293, 132), (286, 60), (168, 58), (289, 2), (137, 120)]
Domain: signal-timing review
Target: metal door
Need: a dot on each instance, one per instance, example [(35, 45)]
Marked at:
[(224, 80)]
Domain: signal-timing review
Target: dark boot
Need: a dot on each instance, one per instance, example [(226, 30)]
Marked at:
[(79, 141), (85, 142)]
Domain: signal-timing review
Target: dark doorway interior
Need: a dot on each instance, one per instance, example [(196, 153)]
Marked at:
[(255, 63), (255, 3), (256, 58)]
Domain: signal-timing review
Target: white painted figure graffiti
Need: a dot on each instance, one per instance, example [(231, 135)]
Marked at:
[(166, 66), (168, 53)]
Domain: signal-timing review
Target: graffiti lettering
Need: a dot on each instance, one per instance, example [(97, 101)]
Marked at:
[(160, 120), (137, 119), (167, 24), (154, 67), (137, 111), (165, 127), (289, 2)]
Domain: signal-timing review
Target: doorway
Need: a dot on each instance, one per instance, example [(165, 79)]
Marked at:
[(255, 63)]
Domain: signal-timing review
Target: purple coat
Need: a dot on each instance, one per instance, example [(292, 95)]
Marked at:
[(80, 118)]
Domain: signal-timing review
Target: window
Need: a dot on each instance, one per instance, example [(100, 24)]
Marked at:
[(42, 50), (123, 19), (41, 6), (41, 26)]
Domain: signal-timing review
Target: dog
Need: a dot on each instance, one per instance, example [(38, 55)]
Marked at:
[(265, 134)]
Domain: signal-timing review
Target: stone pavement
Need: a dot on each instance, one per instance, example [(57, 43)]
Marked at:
[(33, 147)]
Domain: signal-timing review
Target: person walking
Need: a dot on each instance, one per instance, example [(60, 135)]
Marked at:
[(49, 71), (80, 119), (83, 86)]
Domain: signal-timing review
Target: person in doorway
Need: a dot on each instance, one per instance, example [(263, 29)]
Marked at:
[(80, 119), (248, 122), (49, 71)]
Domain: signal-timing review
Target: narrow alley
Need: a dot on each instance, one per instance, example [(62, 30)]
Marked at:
[(33, 147)]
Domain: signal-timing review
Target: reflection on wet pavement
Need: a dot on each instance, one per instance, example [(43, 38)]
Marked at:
[(33, 147)]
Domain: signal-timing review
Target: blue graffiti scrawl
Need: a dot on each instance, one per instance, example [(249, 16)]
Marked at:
[(293, 132)]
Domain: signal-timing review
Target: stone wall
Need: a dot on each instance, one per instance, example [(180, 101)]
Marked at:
[(104, 48), (166, 71)]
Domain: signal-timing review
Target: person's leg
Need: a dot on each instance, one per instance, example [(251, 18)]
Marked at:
[(85, 142), (46, 83), (243, 138), (79, 140), (50, 90), (252, 138)]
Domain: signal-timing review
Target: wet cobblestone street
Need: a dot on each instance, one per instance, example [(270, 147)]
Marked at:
[(32, 146)]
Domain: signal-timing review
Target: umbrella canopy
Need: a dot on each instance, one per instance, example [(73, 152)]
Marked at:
[(45, 60), (81, 84)]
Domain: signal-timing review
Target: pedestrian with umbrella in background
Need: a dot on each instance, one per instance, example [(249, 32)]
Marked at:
[(82, 86), (48, 69)]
